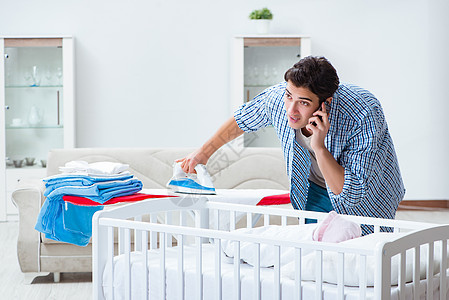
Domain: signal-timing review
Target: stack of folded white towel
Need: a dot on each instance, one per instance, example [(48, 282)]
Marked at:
[(103, 168)]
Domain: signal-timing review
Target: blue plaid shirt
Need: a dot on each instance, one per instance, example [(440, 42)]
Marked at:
[(358, 139)]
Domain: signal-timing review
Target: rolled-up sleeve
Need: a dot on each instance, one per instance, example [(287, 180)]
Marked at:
[(253, 115)]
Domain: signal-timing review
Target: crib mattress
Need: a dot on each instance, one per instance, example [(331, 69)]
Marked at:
[(208, 270)]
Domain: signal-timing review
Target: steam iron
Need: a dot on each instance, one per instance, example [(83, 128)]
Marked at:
[(190, 183)]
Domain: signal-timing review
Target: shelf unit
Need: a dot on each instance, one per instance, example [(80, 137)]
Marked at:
[(37, 107), (258, 62)]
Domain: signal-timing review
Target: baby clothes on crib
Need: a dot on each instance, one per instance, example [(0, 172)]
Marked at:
[(335, 229)]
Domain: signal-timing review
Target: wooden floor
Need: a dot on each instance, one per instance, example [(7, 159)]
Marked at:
[(12, 287), (79, 285)]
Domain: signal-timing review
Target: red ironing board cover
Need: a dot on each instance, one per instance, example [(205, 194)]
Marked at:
[(268, 200), (275, 200), (130, 198)]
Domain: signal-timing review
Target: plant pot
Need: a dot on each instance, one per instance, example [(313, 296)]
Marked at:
[(262, 26)]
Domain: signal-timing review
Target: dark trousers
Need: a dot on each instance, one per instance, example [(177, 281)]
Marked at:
[(317, 200)]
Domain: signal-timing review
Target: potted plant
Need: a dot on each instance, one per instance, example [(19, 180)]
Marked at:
[(263, 18)]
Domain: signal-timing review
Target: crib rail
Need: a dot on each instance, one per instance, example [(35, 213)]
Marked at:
[(147, 235), (398, 225), (432, 237)]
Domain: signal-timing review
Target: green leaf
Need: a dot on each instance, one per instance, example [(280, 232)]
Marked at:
[(259, 14)]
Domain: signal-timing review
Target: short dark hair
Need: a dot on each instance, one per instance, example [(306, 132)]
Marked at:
[(315, 73)]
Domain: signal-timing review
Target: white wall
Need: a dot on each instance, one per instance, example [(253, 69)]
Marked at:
[(156, 73)]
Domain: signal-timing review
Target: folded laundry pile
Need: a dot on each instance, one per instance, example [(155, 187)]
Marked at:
[(99, 182)]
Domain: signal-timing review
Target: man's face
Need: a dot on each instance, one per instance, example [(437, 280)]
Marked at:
[(300, 104)]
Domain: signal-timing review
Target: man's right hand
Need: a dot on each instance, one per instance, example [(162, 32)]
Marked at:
[(226, 133), (189, 162)]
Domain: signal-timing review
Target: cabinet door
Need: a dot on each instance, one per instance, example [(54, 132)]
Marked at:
[(37, 104), (261, 63), (34, 97)]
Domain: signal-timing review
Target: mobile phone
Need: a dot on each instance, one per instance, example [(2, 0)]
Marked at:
[(321, 119)]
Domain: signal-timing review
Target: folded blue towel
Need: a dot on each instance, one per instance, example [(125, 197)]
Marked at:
[(62, 180), (71, 223), (100, 192)]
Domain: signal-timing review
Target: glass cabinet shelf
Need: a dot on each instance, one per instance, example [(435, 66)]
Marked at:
[(34, 127), (32, 86), (35, 166)]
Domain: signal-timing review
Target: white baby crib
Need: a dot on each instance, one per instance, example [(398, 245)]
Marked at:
[(183, 258)]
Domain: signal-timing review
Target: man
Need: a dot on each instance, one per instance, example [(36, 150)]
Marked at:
[(335, 139)]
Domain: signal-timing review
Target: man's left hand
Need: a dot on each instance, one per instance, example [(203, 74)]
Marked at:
[(319, 126)]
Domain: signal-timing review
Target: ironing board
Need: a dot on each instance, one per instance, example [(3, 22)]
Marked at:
[(242, 196), (238, 196), (264, 197), (233, 196)]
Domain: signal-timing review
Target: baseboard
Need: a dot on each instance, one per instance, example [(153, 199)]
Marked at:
[(428, 205)]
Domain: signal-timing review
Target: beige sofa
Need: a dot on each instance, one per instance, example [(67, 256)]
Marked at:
[(230, 167)]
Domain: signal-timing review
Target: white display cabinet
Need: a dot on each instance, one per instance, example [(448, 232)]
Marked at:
[(260, 61), (37, 108)]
